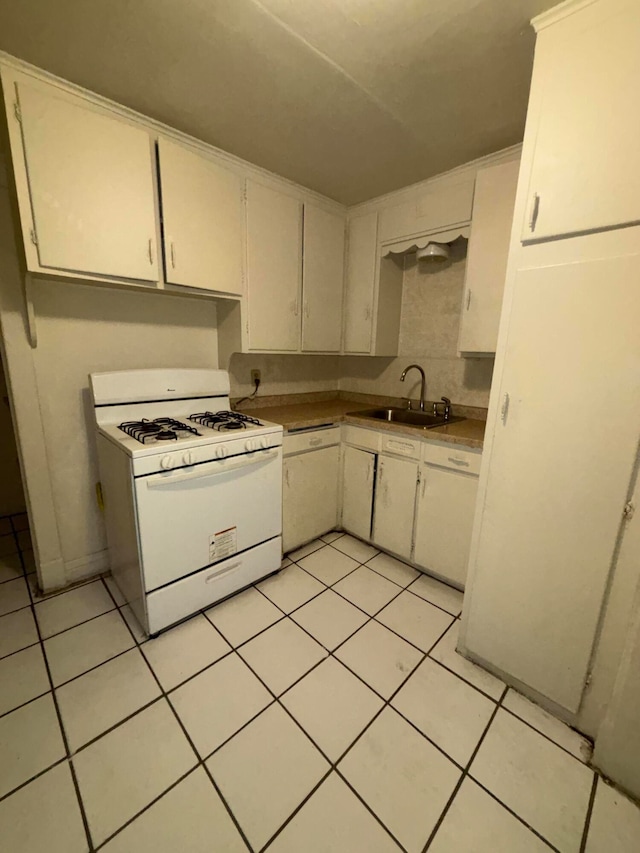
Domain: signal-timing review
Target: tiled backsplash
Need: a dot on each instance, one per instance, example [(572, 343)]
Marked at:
[(432, 299)]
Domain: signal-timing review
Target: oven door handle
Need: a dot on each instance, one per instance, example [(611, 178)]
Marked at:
[(245, 461)]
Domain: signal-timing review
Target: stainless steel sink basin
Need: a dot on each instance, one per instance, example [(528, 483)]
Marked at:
[(407, 416)]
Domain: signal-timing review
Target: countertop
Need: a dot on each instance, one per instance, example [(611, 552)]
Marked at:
[(292, 416)]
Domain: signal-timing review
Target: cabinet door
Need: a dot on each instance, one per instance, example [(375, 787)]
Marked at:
[(309, 496), (322, 280), (203, 216), (360, 284), (558, 473), (487, 257), (395, 502), (444, 520), (91, 182), (274, 267), (586, 163), (357, 491)]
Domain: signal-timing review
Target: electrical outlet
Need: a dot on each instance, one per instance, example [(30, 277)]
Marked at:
[(255, 377)]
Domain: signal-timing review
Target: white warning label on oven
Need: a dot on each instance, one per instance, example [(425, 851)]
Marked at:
[(223, 544)]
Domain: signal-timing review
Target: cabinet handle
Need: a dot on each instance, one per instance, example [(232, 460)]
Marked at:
[(504, 411), (460, 462), (424, 482), (150, 250), (306, 308), (286, 476), (295, 307), (468, 299), (367, 312), (535, 208), (173, 255), (314, 442)]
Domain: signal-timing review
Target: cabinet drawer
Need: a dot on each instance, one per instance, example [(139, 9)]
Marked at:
[(452, 456), (361, 437), (311, 440), (401, 446)]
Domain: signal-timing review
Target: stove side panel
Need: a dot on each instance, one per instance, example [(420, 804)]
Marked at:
[(120, 522)]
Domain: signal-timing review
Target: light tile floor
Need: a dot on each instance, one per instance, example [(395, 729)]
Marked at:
[(324, 709)]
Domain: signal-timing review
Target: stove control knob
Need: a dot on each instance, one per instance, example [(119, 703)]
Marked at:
[(264, 443), (166, 462), (220, 452), (249, 445), (188, 458)]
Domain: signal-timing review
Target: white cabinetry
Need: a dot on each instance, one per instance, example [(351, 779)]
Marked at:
[(202, 211), (358, 474), (322, 279), (395, 500), (310, 485), (86, 187), (586, 162), (274, 267), (493, 205), (435, 208), (373, 297), (445, 509)]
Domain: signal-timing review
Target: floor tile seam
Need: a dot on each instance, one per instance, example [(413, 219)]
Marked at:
[(462, 777), (146, 808), (433, 604), (467, 774), (462, 678), (199, 760), (377, 817), (71, 627), (93, 668), (120, 608), (248, 640), (17, 651), (63, 733), (33, 778), (324, 583), (393, 631), (298, 808), (24, 704), (79, 750), (347, 554), (587, 819), (546, 736)]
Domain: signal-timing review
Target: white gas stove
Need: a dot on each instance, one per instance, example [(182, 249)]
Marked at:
[(192, 491)]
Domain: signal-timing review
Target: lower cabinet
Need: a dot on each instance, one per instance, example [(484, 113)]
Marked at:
[(310, 486), (396, 481), (357, 492), (444, 521), (419, 508)]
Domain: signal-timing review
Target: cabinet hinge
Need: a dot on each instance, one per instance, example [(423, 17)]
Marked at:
[(34, 236), (17, 111), (628, 511)]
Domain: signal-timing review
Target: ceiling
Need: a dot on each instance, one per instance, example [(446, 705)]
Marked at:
[(353, 98)]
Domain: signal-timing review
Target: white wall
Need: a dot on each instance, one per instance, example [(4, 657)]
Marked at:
[(431, 304), (84, 329)]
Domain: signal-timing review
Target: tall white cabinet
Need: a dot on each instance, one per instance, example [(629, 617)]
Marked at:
[(563, 427), (322, 279)]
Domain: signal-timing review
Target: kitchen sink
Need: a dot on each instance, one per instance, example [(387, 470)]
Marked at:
[(407, 416)]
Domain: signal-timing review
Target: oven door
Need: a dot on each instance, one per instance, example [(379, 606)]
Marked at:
[(198, 516)]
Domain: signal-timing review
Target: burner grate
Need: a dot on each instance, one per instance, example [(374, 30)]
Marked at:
[(224, 420), (160, 429)]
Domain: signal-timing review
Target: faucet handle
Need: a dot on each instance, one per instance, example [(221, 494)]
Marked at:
[(447, 407)]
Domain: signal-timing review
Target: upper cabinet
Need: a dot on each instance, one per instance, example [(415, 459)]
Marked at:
[(322, 279), (274, 268), (295, 273), (434, 209), (487, 255), (202, 214), (373, 297), (85, 185), (583, 129)]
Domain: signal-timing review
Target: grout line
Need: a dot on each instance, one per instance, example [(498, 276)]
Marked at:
[(200, 761), (546, 736), (33, 778), (24, 648), (63, 733), (587, 820)]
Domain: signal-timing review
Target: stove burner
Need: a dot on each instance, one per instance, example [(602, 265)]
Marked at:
[(224, 421), (160, 429)]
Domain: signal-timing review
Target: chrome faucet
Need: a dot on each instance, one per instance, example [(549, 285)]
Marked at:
[(423, 383)]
